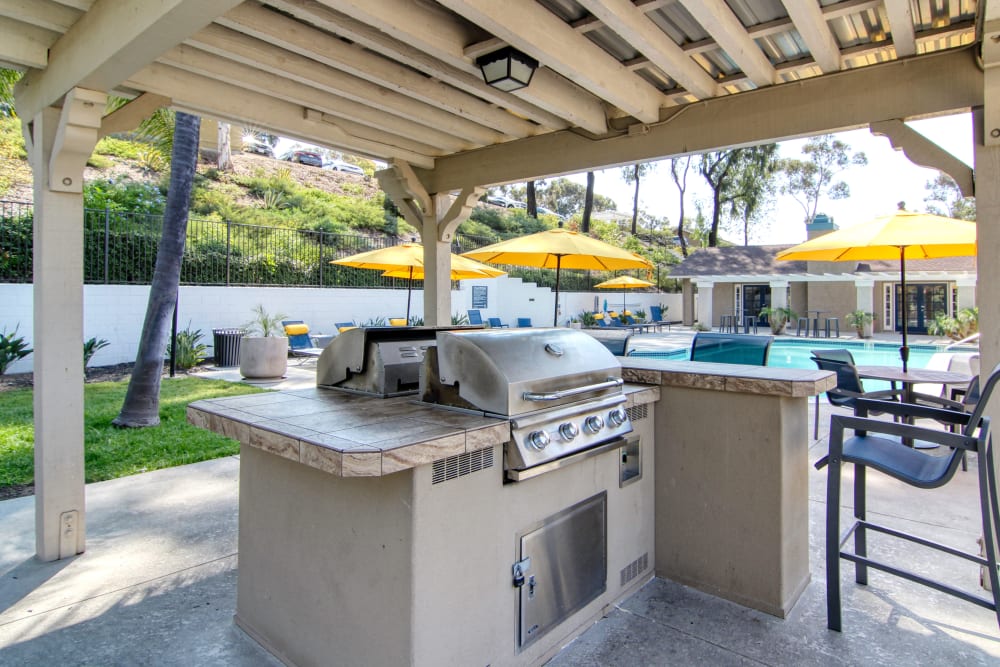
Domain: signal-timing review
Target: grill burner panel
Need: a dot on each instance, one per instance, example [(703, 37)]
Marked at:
[(560, 388)]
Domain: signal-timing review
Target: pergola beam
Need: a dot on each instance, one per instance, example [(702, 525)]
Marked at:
[(721, 23), (128, 117), (110, 42), (808, 19), (901, 26), (933, 84), (24, 45), (922, 151)]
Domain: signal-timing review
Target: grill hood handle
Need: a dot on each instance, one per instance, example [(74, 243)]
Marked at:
[(565, 393)]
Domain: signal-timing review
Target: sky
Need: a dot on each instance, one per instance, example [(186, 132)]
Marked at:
[(875, 189)]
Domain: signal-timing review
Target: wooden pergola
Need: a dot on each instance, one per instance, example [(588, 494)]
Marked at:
[(618, 82)]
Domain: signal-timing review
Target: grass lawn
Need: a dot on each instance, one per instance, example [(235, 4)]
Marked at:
[(111, 452)]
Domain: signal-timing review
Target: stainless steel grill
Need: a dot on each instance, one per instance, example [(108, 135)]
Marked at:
[(560, 389)]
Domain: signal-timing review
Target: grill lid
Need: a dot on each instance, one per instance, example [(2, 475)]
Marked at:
[(515, 371)]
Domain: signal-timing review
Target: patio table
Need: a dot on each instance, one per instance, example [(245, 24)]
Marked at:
[(911, 377)]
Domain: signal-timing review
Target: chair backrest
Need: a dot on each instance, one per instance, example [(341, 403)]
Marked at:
[(656, 313), (397, 321), (986, 390), (617, 346), (843, 355), (847, 380), (731, 348), (601, 320), (344, 326), (297, 332), (475, 317), (524, 321), (495, 322)]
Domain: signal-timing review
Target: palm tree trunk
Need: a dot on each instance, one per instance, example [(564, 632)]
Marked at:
[(532, 202), (142, 400), (635, 203)]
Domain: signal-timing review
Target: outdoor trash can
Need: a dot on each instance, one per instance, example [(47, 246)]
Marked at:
[(227, 346)]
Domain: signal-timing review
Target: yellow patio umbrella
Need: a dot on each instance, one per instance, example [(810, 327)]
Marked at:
[(406, 260), (559, 249), (902, 235), (624, 283)]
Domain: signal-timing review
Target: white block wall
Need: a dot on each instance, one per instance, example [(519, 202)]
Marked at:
[(116, 312)]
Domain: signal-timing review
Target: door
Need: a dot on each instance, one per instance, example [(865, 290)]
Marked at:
[(755, 297), (924, 301), (563, 565)]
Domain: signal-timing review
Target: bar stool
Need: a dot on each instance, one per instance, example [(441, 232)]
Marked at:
[(835, 323), (727, 324), (803, 323), (749, 322)]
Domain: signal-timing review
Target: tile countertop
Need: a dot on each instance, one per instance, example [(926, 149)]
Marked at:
[(761, 380), (349, 435)]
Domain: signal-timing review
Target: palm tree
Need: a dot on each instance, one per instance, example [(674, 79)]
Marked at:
[(588, 203), (142, 400)]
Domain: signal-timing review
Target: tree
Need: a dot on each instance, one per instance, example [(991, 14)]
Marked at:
[(142, 399), (679, 167), (225, 159), (807, 181), (753, 185), (945, 198), (531, 201), (588, 202), (634, 174), (716, 167), (566, 197), (8, 78)]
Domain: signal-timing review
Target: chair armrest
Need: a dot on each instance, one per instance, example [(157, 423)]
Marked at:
[(946, 403), (839, 423), (865, 405)]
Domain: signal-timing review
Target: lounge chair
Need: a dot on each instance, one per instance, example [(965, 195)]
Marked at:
[(524, 322), (475, 317), (731, 348), (495, 323), (344, 326), (397, 322), (602, 321), (300, 344), (657, 318)]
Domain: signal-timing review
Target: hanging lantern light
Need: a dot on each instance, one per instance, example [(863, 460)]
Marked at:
[(507, 69)]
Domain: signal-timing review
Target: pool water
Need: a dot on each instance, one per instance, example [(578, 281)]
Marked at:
[(797, 353)]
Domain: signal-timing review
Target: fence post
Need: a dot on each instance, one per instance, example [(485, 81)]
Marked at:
[(322, 239), (228, 235), (107, 241)]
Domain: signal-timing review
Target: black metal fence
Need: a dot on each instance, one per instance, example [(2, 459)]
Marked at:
[(120, 249)]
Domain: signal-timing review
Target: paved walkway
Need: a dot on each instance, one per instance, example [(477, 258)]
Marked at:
[(157, 587)]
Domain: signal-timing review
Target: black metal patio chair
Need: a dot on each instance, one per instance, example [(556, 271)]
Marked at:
[(880, 445), (849, 387)]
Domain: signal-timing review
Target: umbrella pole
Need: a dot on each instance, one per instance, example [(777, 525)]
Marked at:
[(409, 293), (904, 352), (555, 313)]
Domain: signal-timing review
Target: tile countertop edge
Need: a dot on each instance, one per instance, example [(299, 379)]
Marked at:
[(213, 417), (760, 380)]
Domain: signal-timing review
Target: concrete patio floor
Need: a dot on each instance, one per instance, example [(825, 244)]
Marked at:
[(157, 587)]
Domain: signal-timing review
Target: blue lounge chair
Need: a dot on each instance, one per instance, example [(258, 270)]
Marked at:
[(475, 317), (657, 317), (300, 344), (731, 348), (524, 321), (495, 323)]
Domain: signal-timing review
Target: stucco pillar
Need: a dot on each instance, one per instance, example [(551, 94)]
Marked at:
[(688, 311), (59, 141), (987, 169), (865, 299), (779, 294), (966, 288), (437, 266), (704, 310)]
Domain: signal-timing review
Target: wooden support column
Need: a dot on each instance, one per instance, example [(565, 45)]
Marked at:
[(437, 217), (59, 142), (987, 167)]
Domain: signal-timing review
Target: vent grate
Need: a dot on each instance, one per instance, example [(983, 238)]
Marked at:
[(635, 568), (637, 412), (461, 465)]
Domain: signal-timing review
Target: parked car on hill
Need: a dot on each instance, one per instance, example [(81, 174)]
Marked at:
[(311, 158), (340, 165), (258, 146)]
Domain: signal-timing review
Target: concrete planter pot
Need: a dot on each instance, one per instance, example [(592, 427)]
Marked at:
[(263, 357)]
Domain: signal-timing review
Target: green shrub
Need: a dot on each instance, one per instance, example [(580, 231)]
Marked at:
[(190, 350), (119, 148), (12, 348), (90, 348), (99, 162), (125, 195), (964, 324)]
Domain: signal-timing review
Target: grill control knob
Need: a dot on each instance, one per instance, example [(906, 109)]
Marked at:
[(569, 430), (538, 440), (617, 416), (593, 424)]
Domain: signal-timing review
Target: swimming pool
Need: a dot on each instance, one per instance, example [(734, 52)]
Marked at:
[(796, 353)]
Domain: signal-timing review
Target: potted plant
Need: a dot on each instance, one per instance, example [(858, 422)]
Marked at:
[(778, 318), (264, 348), (862, 322)]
